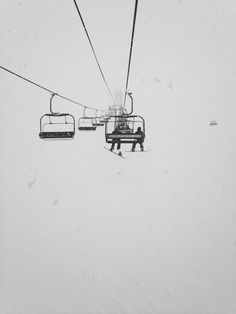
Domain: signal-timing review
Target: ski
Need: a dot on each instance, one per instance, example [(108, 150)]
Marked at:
[(137, 151), (118, 154)]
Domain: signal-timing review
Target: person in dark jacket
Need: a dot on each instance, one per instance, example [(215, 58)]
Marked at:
[(139, 140), (116, 140)]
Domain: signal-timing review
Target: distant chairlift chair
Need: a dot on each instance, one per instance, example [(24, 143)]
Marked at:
[(86, 123), (97, 121)]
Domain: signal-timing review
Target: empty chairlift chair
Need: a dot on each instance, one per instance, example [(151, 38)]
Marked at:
[(103, 117), (86, 123), (103, 120), (97, 121), (56, 125)]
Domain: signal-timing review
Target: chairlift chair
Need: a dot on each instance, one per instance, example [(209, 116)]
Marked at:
[(103, 120), (86, 123), (96, 122), (56, 125), (126, 125)]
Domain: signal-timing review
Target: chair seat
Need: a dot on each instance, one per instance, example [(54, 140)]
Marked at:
[(87, 128), (98, 124), (52, 135), (123, 138)]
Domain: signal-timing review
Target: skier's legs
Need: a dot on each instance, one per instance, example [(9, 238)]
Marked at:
[(112, 145), (118, 145), (134, 145), (141, 146)]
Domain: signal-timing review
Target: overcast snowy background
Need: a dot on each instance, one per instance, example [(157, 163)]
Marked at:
[(85, 231)]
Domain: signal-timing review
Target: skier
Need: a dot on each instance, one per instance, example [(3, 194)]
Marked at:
[(140, 140), (115, 140)]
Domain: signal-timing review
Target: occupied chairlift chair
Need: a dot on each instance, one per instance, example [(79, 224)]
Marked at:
[(86, 123), (56, 125), (126, 124)]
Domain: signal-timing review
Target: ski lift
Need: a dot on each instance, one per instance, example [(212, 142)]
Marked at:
[(56, 125), (125, 126), (86, 123), (104, 119), (96, 121)]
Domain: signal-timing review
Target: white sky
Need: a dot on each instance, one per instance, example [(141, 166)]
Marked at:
[(84, 231)]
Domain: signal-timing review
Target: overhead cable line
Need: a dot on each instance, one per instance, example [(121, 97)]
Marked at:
[(94, 53), (131, 48), (48, 90)]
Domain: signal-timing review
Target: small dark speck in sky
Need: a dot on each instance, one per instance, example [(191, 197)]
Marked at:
[(55, 202), (32, 183), (213, 123), (170, 85), (157, 80)]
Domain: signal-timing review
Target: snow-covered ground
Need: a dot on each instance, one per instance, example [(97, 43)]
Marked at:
[(85, 231)]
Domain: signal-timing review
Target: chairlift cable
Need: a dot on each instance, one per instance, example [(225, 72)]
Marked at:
[(91, 45), (46, 89), (131, 48)]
